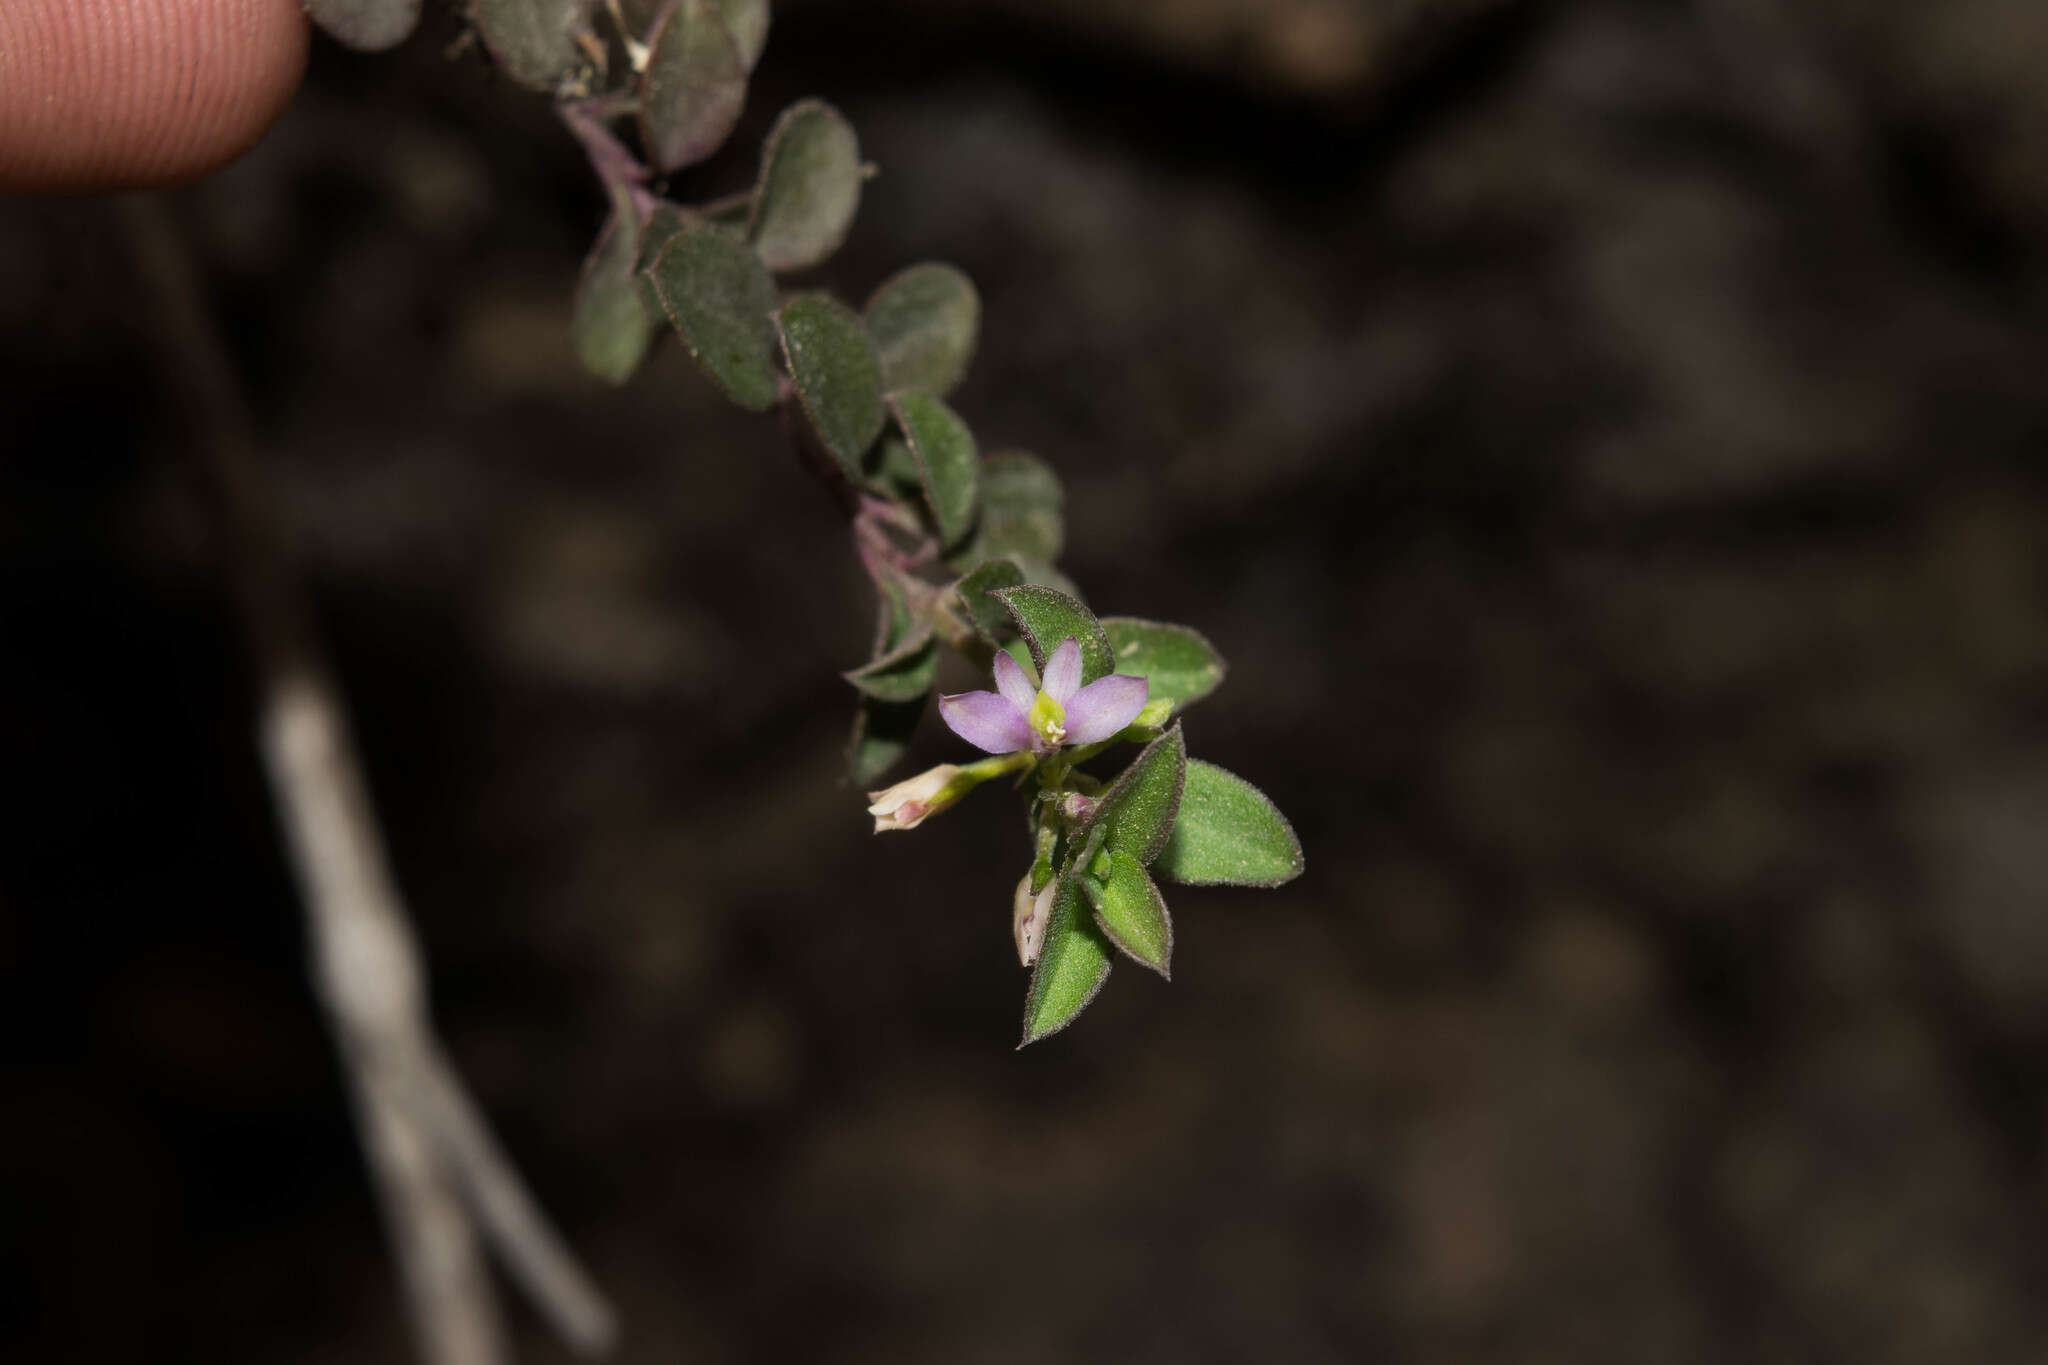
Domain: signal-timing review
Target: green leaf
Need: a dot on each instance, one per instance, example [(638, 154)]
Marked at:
[(902, 673), (1047, 616), (609, 321), (719, 297), (947, 461), (836, 376), (748, 21), (1132, 913), (1020, 519), (924, 322), (660, 228), (881, 736), (1228, 834), (366, 25), (979, 606), (532, 41), (1071, 967), (895, 469), (1137, 813), (809, 187), (693, 88), (1181, 665)]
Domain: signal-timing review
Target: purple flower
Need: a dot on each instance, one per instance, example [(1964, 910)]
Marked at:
[(1017, 716)]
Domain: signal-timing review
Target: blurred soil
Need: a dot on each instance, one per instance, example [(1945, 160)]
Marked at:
[(1607, 440)]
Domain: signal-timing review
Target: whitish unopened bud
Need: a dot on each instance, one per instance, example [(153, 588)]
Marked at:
[(1028, 915), (905, 805)]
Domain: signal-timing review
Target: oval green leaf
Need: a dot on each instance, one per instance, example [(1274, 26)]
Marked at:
[(1047, 616), (366, 25), (902, 673), (1138, 812), (1181, 666), (748, 22), (1131, 913), (1228, 834), (881, 736), (924, 321), (609, 322), (720, 297), (836, 375), (532, 41), (809, 187), (977, 602), (1071, 966), (693, 87), (947, 462)]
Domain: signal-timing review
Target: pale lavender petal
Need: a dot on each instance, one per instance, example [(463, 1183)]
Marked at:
[(1011, 682), (1105, 706), (1063, 671), (986, 721)]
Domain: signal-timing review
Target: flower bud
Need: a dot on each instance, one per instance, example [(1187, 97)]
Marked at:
[(905, 805), (1028, 915)]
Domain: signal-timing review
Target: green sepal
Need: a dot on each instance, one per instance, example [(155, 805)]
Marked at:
[(947, 461), (1131, 913), (1229, 833), (1047, 616), (1138, 811), (809, 188), (1178, 663), (719, 297), (609, 321), (693, 87), (1072, 965), (532, 41), (924, 321), (978, 604), (836, 375)]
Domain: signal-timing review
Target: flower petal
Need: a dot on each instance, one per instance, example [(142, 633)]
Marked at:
[(1011, 682), (1063, 671), (1104, 707), (985, 720)]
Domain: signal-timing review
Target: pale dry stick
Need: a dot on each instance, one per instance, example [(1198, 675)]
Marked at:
[(438, 1171)]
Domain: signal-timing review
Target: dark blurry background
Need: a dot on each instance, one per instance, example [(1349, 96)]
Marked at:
[(1607, 442)]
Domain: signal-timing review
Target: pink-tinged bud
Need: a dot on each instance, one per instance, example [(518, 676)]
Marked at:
[(905, 805), (1028, 915)]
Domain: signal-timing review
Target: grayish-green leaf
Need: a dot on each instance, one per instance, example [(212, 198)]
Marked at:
[(1181, 665), (881, 736), (366, 25), (748, 21), (693, 88), (1047, 616), (901, 673), (895, 471), (532, 41), (720, 297), (1071, 967), (1132, 913), (809, 187), (924, 321), (1137, 812), (609, 323), (1228, 834), (947, 461), (661, 225), (990, 618), (1020, 519), (836, 376)]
